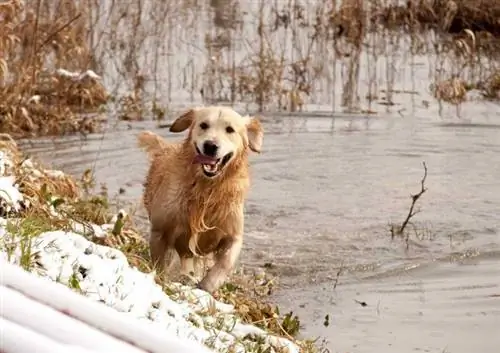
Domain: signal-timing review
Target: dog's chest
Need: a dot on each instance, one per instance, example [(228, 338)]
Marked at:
[(210, 209)]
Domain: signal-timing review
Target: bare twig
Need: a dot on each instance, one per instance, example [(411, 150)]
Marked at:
[(339, 273), (412, 212), (60, 29)]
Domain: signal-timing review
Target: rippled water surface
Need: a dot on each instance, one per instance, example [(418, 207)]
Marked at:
[(440, 307), (323, 196), (324, 191)]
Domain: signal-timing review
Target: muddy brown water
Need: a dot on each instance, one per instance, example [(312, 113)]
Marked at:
[(324, 191)]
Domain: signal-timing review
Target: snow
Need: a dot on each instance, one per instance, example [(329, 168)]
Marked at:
[(78, 76), (102, 275), (9, 193)]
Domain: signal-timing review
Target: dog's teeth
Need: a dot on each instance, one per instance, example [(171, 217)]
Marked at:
[(210, 167)]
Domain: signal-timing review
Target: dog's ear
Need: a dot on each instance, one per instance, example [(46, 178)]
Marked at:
[(255, 134), (183, 122)]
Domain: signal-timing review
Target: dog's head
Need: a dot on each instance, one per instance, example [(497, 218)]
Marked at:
[(219, 135)]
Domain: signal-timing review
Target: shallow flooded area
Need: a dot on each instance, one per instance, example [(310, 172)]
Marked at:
[(324, 192), (438, 307)]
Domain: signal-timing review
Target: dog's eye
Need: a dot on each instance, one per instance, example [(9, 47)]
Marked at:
[(229, 130), (203, 126)]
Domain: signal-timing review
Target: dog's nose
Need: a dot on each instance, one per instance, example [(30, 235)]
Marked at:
[(210, 148)]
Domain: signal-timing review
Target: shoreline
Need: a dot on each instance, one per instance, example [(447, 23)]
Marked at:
[(40, 235)]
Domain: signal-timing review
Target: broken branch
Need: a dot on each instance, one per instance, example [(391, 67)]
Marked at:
[(412, 212)]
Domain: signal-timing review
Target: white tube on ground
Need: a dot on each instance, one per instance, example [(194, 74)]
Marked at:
[(146, 336), (15, 338), (24, 311)]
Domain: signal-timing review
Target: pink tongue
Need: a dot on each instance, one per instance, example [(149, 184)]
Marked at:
[(200, 159)]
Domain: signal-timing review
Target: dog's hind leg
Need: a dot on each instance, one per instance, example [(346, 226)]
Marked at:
[(187, 266), (225, 259), (188, 271), (192, 267)]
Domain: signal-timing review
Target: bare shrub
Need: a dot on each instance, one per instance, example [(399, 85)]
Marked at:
[(451, 91), (451, 16), (492, 86), (36, 39), (304, 52), (158, 56)]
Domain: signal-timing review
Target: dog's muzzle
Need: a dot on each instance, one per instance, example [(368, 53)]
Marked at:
[(210, 165)]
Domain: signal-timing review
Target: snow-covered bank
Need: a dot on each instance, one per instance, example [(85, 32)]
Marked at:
[(104, 275)]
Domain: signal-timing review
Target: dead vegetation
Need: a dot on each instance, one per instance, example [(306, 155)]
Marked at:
[(451, 16), (305, 51), (401, 231), (41, 44), (282, 56), (453, 90), (47, 190), (491, 87)]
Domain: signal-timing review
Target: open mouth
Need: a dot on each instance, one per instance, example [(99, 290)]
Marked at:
[(211, 166)]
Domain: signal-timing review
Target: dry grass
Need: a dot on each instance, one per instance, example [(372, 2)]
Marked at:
[(492, 86), (453, 91), (306, 52), (36, 39), (46, 190), (285, 55)]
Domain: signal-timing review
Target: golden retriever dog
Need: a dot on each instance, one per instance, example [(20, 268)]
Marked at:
[(195, 190)]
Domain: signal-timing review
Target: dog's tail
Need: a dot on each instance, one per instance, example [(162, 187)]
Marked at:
[(150, 142)]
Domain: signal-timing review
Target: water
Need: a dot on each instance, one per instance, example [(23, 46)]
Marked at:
[(326, 188), (324, 191), (440, 307)]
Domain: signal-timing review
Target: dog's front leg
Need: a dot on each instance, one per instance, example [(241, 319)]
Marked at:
[(157, 249), (225, 260), (162, 254)]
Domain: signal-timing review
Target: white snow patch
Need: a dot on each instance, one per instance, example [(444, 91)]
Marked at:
[(78, 76), (9, 193)]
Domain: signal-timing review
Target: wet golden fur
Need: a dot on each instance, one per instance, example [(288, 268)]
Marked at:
[(191, 214)]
